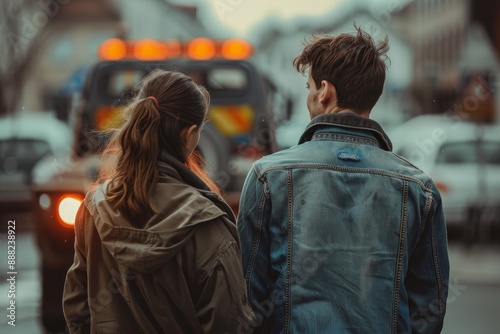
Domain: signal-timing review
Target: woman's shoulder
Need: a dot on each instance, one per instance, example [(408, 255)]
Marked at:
[(214, 240)]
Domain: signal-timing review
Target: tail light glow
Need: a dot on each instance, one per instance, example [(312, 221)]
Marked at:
[(67, 208), (442, 187)]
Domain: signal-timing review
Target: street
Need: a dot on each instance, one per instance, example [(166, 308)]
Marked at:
[(473, 303)]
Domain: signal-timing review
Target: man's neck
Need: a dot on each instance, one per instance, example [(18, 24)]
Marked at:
[(339, 110)]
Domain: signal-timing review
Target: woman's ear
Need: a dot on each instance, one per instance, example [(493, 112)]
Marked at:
[(188, 132), (190, 137)]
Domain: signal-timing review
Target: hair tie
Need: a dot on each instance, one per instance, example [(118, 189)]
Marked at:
[(154, 100)]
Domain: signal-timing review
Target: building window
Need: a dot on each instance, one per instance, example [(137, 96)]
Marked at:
[(62, 50)]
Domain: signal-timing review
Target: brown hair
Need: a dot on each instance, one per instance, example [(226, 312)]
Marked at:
[(352, 63), (151, 126)]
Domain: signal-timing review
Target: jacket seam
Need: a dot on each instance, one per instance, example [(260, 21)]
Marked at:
[(289, 252), (399, 265), (257, 172), (428, 204), (344, 138), (407, 161), (346, 169), (256, 242), (435, 254)]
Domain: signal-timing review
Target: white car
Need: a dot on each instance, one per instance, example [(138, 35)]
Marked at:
[(463, 158), (25, 138)]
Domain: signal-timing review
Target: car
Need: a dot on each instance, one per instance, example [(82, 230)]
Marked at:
[(463, 159), (240, 130), (25, 138)]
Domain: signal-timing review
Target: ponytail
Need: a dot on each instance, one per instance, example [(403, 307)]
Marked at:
[(135, 171)]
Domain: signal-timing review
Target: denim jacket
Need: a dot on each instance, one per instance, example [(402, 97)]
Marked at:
[(340, 235)]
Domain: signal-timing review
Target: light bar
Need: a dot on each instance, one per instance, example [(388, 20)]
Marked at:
[(236, 48), (198, 48), (201, 49), (113, 49)]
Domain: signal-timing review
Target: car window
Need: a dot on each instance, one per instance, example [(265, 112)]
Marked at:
[(469, 152), (123, 82), (21, 154), (491, 152), (230, 80)]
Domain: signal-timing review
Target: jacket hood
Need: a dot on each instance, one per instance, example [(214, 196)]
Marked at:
[(179, 208)]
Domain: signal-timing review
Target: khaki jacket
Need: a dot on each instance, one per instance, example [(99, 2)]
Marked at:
[(181, 273)]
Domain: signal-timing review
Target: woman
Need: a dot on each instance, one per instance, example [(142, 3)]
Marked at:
[(156, 248)]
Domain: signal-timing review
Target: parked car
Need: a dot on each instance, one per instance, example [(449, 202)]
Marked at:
[(463, 158), (25, 138)]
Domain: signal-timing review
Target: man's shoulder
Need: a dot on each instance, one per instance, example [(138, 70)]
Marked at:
[(405, 169), (281, 159)]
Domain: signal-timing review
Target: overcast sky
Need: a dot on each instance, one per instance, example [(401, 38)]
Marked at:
[(241, 15)]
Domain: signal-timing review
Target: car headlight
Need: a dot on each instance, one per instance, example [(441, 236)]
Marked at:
[(67, 208)]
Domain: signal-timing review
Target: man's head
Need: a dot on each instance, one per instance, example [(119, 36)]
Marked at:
[(346, 72)]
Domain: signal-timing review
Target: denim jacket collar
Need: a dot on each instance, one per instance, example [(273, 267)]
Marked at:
[(350, 121)]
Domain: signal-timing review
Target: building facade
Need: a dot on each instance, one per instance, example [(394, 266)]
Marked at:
[(451, 51)]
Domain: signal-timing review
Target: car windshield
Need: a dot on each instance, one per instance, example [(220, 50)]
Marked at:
[(19, 154), (470, 152)]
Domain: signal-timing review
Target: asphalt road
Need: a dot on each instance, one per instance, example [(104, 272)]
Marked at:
[(473, 303)]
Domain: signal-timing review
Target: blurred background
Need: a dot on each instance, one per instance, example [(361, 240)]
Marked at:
[(440, 106)]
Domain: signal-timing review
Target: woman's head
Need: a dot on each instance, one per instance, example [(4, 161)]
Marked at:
[(167, 114), (181, 105)]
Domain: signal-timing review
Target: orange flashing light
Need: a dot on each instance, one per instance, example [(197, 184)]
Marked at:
[(236, 48), (198, 48), (113, 49), (149, 49), (201, 49)]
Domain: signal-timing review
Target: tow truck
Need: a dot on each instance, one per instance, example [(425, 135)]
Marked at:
[(240, 130)]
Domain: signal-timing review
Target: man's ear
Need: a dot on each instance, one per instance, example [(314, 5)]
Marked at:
[(328, 93)]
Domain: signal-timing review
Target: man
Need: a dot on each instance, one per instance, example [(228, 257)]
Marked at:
[(339, 234)]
